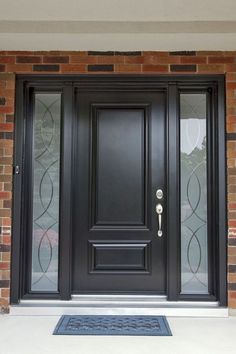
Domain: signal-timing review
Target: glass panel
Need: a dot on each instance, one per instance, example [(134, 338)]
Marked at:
[(193, 146), (46, 170)]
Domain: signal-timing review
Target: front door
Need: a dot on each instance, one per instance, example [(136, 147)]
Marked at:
[(119, 187), (119, 164)]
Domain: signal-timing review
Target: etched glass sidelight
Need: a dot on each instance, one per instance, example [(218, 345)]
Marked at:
[(46, 170), (193, 171)]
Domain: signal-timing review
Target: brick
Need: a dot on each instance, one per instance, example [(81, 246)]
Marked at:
[(231, 110), (220, 60), (232, 242), (231, 102), (232, 268), (231, 232), (231, 119), (7, 76), (5, 195), (231, 145), (193, 60), (19, 68), (113, 59), (2, 67), (230, 76), (79, 68), (133, 53), (231, 154), (232, 294), (211, 68), (56, 59), (20, 52), (6, 135), (231, 94), (28, 59), (2, 101), (7, 59), (10, 84), (7, 204), (8, 169), (5, 160), (5, 212), (189, 53), (8, 187), (94, 52), (161, 60), (127, 68), (155, 68), (6, 239), (5, 248), (230, 67), (6, 221), (10, 101), (101, 68), (230, 86), (212, 52), (40, 68), (132, 59), (232, 214), (6, 257), (10, 118), (5, 293), (231, 163), (88, 59), (4, 283), (72, 52), (231, 179), (183, 68), (232, 278), (155, 53), (6, 109), (232, 260), (6, 127), (5, 265), (7, 143)]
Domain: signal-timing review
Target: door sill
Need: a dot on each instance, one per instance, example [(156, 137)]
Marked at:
[(118, 305)]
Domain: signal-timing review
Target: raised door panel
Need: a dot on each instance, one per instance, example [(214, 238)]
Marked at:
[(119, 166)]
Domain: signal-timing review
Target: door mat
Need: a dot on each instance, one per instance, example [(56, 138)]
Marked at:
[(113, 325)]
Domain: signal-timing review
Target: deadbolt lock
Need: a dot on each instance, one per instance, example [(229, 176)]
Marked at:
[(159, 194)]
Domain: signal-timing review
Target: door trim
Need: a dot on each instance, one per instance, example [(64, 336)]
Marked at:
[(172, 83)]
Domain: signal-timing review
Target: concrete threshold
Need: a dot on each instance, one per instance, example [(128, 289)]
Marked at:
[(118, 305)]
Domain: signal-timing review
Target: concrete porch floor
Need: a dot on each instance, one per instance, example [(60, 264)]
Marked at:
[(33, 335)]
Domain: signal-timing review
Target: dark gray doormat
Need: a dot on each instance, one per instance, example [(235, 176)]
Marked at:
[(113, 325)]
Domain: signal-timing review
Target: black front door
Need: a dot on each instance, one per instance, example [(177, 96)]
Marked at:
[(91, 153), (119, 164)]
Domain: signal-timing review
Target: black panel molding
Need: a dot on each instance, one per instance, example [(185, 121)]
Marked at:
[(117, 257)]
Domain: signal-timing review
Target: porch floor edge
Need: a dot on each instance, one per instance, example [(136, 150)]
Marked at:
[(167, 309)]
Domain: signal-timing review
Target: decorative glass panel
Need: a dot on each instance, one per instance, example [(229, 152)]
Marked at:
[(46, 171), (193, 146)]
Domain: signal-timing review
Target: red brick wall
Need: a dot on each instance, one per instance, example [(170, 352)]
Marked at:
[(108, 62)]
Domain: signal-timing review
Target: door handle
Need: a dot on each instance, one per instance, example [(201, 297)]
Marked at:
[(159, 211)]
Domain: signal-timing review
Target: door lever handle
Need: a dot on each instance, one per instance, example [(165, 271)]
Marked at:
[(159, 211)]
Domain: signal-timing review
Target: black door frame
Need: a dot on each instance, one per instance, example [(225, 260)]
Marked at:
[(173, 84)]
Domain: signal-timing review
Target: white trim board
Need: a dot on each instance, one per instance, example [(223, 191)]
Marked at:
[(117, 41)]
